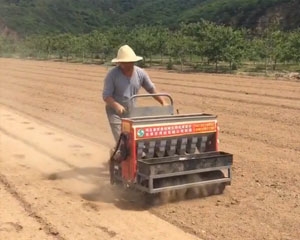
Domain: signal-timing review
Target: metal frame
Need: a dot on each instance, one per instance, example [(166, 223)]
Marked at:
[(146, 111), (151, 179)]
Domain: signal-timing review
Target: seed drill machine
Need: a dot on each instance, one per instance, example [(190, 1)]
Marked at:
[(162, 152)]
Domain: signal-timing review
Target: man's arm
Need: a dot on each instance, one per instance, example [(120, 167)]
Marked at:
[(160, 99), (110, 101), (107, 94), (150, 88)]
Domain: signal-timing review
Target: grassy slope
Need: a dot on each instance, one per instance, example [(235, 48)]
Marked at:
[(79, 16)]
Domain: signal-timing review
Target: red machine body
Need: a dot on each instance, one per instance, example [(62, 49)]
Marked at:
[(157, 131)]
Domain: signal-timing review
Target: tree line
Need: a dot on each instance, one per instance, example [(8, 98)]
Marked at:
[(198, 45)]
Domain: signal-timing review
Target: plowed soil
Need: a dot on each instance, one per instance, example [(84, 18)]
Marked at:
[(55, 141)]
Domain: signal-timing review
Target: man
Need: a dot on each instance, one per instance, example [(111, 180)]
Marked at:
[(121, 83)]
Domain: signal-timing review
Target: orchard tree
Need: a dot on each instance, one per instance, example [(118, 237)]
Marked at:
[(142, 40), (2, 45), (149, 41), (178, 47), (162, 36), (117, 36), (270, 48), (273, 45), (97, 42), (80, 46), (218, 43), (38, 45), (292, 46), (214, 42), (62, 44), (196, 33), (234, 49)]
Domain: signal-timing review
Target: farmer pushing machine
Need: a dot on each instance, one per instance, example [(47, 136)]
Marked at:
[(156, 150)]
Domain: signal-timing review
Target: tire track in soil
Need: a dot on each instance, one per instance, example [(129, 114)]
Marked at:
[(232, 91), (95, 212), (244, 101), (218, 97), (46, 226), (95, 107), (51, 123), (97, 91), (69, 68), (182, 85), (164, 80), (48, 70), (59, 98), (239, 100), (55, 83), (106, 143), (22, 72), (165, 84), (49, 109), (233, 84), (39, 149), (53, 95), (247, 137), (242, 135), (254, 219)]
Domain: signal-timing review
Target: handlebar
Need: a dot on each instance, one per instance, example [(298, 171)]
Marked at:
[(152, 95), (135, 111)]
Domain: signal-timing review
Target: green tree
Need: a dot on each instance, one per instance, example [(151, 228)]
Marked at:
[(98, 43), (292, 46), (8, 45), (215, 40), (179, 47), (234, 50), (149, 41)]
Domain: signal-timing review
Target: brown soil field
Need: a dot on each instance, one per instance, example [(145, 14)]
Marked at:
[(55, 141)]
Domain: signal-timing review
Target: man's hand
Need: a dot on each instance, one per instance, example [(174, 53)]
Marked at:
[(115, 105), (164, 103), (119, 109)]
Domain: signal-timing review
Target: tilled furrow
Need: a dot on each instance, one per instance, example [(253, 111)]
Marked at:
[(48, 227)]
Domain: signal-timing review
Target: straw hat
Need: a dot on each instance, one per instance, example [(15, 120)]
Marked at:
[(126, 54)]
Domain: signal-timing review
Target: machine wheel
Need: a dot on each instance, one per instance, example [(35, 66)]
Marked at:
[(194, 192), (111, 171), (208, 189), (217, 188), (116, 156), (150, 200)]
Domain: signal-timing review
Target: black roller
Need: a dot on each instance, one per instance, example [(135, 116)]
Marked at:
[(181, 146), (171, 147)]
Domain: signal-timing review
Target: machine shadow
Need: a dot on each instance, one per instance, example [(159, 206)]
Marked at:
[(75, 172), (99, 188)]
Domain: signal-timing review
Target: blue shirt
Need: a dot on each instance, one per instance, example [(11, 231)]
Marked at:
[(121, 87)]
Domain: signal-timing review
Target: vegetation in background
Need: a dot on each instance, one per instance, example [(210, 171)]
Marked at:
[(252, 35), (28, 17), (202, 46)]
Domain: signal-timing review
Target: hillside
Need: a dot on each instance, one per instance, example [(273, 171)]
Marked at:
[(28, 17)]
